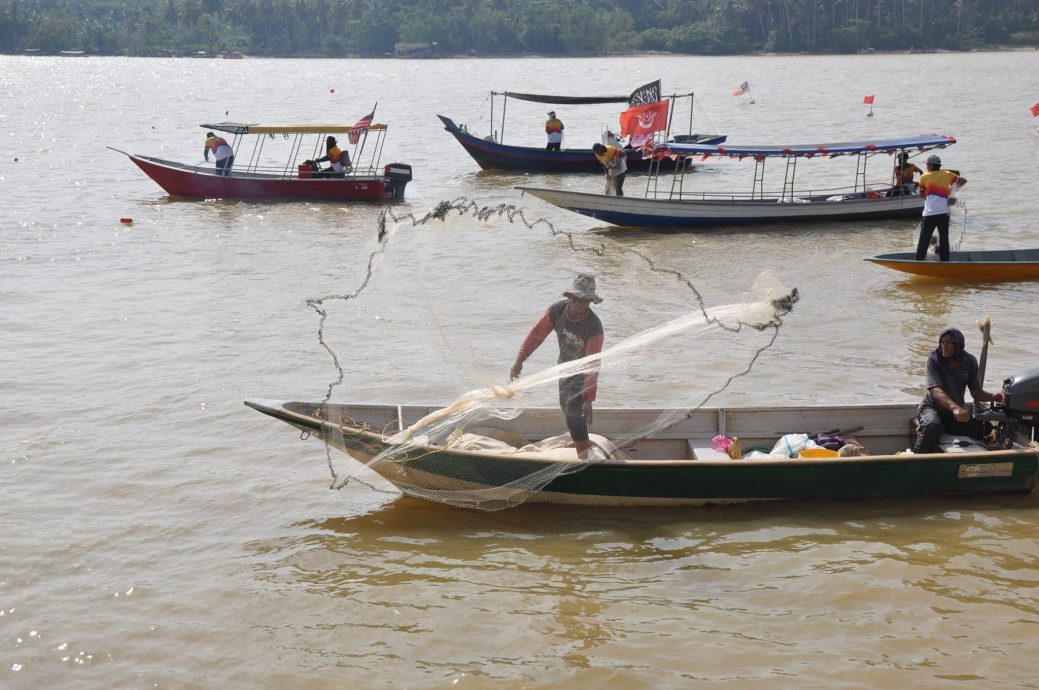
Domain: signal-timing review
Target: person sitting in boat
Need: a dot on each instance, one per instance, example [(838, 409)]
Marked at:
[(936, 185), (580, 334), (614, 161), (222, 153), (951, 370), (905, 175), (554, 130), (338, 160)]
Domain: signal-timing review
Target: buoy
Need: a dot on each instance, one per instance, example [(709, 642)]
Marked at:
[(128, 221), (331, 90)]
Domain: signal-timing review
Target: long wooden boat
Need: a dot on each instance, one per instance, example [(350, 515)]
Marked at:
[(981, 266), (671, 205), (679, 467), (259, 177), (491, 155)]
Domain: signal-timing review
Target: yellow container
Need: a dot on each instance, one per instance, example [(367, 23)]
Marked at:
[(818, 453)]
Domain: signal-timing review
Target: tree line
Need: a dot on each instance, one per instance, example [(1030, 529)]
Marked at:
[(347, 28)]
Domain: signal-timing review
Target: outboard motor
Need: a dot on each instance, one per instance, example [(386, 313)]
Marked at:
[(398, 175), (1018, 418)]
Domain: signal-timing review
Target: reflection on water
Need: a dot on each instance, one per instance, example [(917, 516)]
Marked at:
[(583, 588)]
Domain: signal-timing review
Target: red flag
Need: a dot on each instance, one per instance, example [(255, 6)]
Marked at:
[(868, 100), (644, 119), (1035, 110), (741, 89), (354, 135)]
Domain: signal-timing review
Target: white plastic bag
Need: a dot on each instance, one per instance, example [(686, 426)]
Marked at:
[(792, 444)]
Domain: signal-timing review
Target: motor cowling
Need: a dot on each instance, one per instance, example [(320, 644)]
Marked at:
[(1022, 391), (398, 175)]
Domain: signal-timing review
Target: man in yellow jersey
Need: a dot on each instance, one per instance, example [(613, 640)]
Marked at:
[(222, 153), (554, 130), (935, 187), (614, 162)]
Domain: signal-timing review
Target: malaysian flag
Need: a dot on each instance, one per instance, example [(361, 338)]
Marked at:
[(354, 135)]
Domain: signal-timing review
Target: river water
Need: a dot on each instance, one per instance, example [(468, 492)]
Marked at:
[(154, 532)]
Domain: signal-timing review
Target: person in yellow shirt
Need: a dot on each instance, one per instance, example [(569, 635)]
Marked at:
[(222, 153), (905, 173), (935, 187), (614, 162), (554, 130), (338, 160)]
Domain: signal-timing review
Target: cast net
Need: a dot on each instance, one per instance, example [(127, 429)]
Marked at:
[(502, 442)]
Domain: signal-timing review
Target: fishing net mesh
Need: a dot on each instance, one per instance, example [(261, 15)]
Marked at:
[(466, 454)]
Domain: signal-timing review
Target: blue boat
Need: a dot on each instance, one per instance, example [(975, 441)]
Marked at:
[(677, 207), (491, 153)]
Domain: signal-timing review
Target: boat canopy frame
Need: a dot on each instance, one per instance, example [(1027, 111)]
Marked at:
[(580, 100), (862, 150), (364, 159)]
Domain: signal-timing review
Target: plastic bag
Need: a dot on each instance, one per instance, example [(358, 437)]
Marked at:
[(721, 443), (792, 444)]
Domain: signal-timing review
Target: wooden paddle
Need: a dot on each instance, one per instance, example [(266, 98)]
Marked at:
[(985, 326)]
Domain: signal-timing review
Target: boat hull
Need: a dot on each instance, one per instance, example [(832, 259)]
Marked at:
[(491, 155), (979, 266), (180, 180), (673, 475), (649, 212)]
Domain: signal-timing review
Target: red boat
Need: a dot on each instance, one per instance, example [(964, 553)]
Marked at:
[(256, 175)]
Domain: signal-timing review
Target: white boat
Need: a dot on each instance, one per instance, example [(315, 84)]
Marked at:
[(667, 204)]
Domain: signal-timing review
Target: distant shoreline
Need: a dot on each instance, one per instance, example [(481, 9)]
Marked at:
[(29, 52)]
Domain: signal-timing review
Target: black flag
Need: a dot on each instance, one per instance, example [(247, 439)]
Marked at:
[(645, 94)]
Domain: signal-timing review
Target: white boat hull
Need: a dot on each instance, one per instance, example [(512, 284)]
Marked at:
[(649, 212)]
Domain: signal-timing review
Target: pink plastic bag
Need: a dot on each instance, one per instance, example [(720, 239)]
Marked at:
[(721, 443)]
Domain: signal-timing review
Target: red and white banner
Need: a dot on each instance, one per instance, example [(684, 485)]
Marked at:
[(362, 126), (641, 121)]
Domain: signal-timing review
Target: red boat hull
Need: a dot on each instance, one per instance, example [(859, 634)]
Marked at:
[(186, 181)]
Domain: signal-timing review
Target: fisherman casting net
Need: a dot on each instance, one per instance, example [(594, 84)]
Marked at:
[(957, 226), (663, 341)]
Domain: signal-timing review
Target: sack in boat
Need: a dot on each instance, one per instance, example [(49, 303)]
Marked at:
[(852, 450)]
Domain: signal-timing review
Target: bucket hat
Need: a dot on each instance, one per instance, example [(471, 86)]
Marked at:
[(583, 288)]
